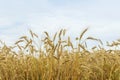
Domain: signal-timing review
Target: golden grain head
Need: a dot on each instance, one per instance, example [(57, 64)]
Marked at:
[(55, 60), (84, 31)]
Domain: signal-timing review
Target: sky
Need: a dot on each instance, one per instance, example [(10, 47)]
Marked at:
[(18, 16)]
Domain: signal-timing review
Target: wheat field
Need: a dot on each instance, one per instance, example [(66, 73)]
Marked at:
[(57, 58)]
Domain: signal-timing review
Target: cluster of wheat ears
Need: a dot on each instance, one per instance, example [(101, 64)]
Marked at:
[(57, 58)]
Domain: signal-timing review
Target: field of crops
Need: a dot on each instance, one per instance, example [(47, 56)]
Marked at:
[(57, 58)]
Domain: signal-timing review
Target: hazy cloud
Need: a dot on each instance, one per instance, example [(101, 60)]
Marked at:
[(17, 17)]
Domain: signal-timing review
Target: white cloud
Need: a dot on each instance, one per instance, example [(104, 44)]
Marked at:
[(5, 22), (40, 16)]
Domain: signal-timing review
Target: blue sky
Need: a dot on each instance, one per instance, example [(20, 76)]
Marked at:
[(17, 16)]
